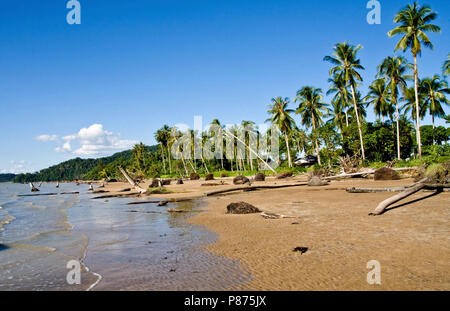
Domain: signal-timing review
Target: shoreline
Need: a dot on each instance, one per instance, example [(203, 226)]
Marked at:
[(339, 235)]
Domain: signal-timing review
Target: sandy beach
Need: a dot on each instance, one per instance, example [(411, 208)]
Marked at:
[(411, 240)]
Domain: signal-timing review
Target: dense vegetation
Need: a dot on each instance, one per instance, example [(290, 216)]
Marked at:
[(7, 177), (77, 168)]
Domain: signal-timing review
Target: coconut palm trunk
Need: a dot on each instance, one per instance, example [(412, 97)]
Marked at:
[(398, 131), (358, 121), (416, 90), (317, 143), (287, 147)]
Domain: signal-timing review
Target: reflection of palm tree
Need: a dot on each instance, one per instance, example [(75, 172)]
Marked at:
[(346, 64), (310, 108), (394, 69), (281, 116), (414, 23), (435, 90)]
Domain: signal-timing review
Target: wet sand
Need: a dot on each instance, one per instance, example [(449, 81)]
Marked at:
[(411, 241)]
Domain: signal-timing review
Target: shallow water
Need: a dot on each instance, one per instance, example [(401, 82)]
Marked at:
[(119, 246)]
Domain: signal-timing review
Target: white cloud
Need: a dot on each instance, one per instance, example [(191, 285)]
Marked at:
[(18, 167), (94, 140), (46, 137)]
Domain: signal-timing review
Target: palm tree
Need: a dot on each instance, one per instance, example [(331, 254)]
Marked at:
[(414, 22), (217, 122), (310, 108), (346, 64), (161, 138), (341, 96), (394, 69), (378, 96), (337, 116), (435, 90), (446, 67), (409, 97), (361, 106), (281, 116)]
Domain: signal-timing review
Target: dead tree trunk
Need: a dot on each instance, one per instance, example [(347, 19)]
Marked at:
[(388, 202), (131, 181), (33, 188)]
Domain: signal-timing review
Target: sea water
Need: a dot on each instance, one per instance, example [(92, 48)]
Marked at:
[(119, 246)]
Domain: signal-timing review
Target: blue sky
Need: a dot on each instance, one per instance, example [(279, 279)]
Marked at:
[(131, 66)]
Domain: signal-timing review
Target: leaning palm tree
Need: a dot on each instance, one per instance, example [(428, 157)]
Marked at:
[(341, 96), (446, 66), (414, 22), (346, 63), (311, 109), (361, 105), (394, 69), (281, 116), (378, 96), (435, 90)]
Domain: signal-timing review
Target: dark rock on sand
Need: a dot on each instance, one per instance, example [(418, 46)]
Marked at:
[(241, 180), (284, 175), (209, 177), (300, 249), (242, 208), (385, 173), (260, 177), (316, 181), (180, 182), (194, 176), (166, 182)]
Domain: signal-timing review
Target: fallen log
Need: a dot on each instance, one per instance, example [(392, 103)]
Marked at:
[(406, 193), (164, 202), (46, 194), (275, 216), (368, 172), (251, 188), (131, 181)]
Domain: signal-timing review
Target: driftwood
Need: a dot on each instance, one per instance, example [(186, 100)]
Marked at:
[(251, 188), (131, 181), (275, 216), (404, 194), (43, 194), (164, 202), (33, 188), (367, 172)]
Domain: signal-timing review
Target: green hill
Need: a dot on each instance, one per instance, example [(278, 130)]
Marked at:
[(7, 177), (76, 168)]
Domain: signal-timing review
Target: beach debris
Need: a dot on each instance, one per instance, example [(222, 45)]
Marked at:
[(386, 173), (166, 182), (125, 190), (102, 185), (241, 180), (194, 176), (224, 175), (221, 183), (57, 185), (40, 184), (284, 175), (160, 190), (156, 182), (260, 177), (316, 181), (33, 188), (173, 210), (274, 216), (131, 181), (46, 194), (173, 270), (209, 177), (349, 164), (242, 208), (180, 181), (163, 203), (300, 249), (91, 187), (99, 191)]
